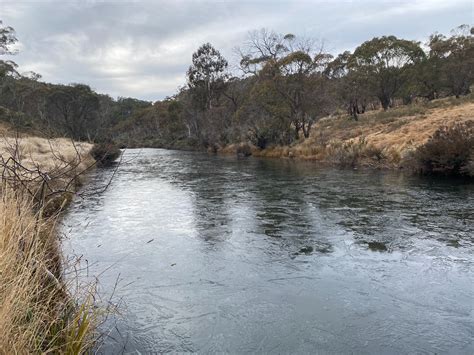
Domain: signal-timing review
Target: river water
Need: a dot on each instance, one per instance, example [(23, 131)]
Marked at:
[(219, 254)]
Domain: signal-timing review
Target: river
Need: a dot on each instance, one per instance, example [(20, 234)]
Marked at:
[(218, 254)]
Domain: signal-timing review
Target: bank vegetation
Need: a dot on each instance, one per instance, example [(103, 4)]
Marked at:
[(42, 309), (289, 96)]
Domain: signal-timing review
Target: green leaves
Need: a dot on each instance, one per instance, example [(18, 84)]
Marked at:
[(207, 74), (7, 39)]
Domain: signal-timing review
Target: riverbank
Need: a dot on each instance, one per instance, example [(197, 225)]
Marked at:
[(378, 139), (40, 312)]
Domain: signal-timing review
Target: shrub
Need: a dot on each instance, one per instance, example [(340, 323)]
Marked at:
[(244, 150), (356, 152), (450, 151), (105, 153)]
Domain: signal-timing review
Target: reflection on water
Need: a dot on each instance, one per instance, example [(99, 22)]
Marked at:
[(218, 254)]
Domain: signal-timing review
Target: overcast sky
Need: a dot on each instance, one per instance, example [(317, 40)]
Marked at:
[(143, 48)]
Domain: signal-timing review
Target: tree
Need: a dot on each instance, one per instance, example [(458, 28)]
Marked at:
[(261, 117), (75, 109), (382, 61), (207, 74), (349, 85), (456, 54), (301, 86), (261, 47), (290, 68), (7, 40)]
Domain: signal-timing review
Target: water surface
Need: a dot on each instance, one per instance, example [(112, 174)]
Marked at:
[(219, 254)]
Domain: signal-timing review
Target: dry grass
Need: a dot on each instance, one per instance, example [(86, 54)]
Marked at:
[(38, 313), (46, 154), (378, 138)]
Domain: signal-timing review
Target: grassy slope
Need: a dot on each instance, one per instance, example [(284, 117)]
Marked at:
[(37, 312), (380, 139)]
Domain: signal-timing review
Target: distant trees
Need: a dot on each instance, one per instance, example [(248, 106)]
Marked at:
[(206, 82), (289, 82), (76, 109), (458, 54), (285, 84), (288, 85), (206, 76), (7, 40), (348, 85), (382, 63)]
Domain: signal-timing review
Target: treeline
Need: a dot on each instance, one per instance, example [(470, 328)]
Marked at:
[(283, 86)]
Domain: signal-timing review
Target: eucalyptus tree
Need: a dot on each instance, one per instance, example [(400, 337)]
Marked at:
[(207, 75), (262, 47), (349, 86), (456, 54), (7, 67), (7, 40), (382, 62), (74, 109), (289, 75)]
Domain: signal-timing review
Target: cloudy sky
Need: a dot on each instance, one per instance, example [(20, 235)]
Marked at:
[(143, 48)]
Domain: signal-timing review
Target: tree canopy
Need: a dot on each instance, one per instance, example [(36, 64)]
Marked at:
[(283, 85)]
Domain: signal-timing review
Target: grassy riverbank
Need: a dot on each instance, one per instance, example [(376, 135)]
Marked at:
[(380, 139), (39, 312)]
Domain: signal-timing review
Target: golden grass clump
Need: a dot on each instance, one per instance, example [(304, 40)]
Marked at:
[(39, 311), (46, 154)]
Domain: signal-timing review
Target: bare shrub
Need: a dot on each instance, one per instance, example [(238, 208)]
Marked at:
[(244, 150), (105, 153), (449, 151), (355, 152)]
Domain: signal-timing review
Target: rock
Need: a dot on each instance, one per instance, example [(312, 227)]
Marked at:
[(453, 243), (306, 249), (377, 246)]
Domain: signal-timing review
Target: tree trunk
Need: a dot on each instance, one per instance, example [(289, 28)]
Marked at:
[(385, 102), (297, 133), (306, 130)]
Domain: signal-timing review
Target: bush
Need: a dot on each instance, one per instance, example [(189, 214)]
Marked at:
[(356, 152), (105, 153), (450, 151), (244, 150)]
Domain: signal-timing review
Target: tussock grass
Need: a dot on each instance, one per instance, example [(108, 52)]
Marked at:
[(46, 154), (37, 312), (40, 312), (379, 138)]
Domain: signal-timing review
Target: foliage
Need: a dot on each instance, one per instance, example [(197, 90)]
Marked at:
[(76, 107), (382, 61), (206, 76), (105, 153), (450, 151), (355, 152), (348, 85), (288, 84), (7, 39)]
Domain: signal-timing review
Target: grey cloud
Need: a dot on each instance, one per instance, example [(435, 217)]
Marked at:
[(143, 48)]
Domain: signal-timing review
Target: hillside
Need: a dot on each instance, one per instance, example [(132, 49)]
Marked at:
[(41, 311), (382, 138)]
